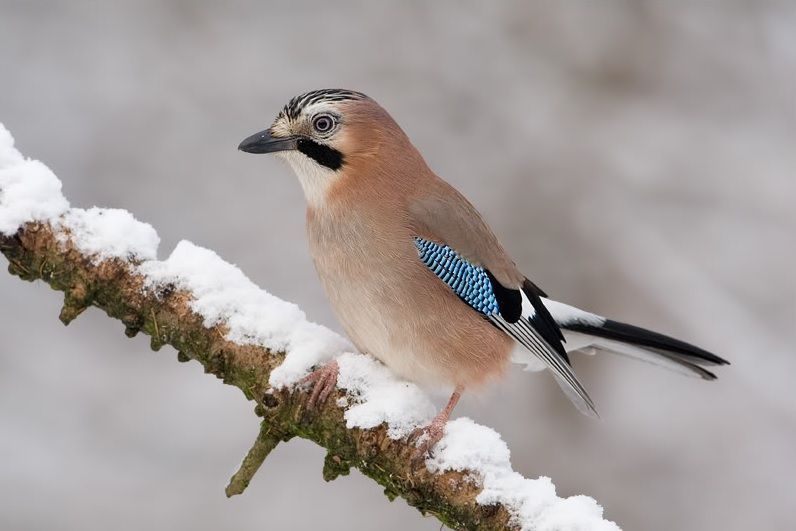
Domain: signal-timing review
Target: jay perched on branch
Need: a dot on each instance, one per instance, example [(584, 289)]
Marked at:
[(415, 275)]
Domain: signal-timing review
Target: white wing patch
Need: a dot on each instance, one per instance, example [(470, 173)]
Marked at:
[(528, 310), (564, 314)]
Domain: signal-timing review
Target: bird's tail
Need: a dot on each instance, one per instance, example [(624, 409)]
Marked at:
[(585, 331)]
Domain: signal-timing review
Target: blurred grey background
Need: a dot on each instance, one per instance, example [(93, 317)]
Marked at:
[(637, 158)]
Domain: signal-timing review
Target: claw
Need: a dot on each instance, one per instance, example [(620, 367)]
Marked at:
[(324, 382), (424, 439)]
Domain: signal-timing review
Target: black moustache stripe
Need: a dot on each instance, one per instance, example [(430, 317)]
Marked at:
[(323, 155)]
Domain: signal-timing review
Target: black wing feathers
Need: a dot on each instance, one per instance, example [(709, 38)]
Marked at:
[(510, 305), (543, 321), (539, 334), (529, 287), (509, 300)]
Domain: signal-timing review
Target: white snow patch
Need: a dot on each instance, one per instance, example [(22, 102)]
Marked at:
[(533, 503), (378, 396), (29, 191), (105, 233), (223, 295)]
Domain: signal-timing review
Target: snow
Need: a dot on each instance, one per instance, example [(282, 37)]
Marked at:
[(533, 503), (105, 233), (223, 295), (379, 397), (29, 191)]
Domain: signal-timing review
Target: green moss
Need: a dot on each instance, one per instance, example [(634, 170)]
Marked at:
[(334, 466)]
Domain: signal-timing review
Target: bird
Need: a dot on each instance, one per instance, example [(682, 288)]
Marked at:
[(415, 275)]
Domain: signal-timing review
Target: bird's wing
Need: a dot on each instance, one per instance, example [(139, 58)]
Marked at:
[(481, 272), (517, 312), (440, 212)]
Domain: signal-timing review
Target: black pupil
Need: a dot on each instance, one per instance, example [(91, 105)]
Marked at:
[(323, 124)]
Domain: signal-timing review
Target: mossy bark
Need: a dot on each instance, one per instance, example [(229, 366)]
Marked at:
[(165, 315)]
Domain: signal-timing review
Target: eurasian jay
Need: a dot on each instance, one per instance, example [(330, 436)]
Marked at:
[(414, 274)]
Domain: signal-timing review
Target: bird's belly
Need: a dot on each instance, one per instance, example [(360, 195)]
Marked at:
[(398, 312)]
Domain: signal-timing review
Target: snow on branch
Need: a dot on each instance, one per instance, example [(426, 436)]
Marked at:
[(212, 313)]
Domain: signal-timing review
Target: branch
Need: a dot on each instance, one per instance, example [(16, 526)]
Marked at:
[(208, 311)]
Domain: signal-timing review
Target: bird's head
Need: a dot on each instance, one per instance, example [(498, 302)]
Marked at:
[(322, 133)]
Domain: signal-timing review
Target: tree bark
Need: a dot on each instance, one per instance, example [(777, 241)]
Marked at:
[(164, 314)]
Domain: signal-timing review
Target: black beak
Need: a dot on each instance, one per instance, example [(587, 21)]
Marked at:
[(263, 142)]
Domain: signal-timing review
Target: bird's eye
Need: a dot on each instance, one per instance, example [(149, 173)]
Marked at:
[(323, 123)]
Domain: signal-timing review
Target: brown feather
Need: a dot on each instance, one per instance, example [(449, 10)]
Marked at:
[(361, 240)]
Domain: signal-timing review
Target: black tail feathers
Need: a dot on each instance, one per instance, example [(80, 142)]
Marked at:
[(672, 349)]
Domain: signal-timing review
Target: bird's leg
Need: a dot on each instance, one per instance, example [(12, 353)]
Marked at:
[(324, 381), (426, 437)]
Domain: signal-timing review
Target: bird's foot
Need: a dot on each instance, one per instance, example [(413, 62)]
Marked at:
[(324, 382), (425, 438)]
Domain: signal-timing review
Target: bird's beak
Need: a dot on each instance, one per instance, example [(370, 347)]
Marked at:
[(263, 142)]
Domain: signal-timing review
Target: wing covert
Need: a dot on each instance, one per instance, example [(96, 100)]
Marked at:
[(511, 311), (470, 282)]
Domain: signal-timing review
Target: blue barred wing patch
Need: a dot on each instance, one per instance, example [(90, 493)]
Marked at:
[(470, 282)]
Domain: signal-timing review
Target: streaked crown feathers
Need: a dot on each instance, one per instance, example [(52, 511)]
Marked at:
[(295, 106)]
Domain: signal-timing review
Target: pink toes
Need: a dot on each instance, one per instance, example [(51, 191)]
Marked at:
[(324, 383), (425, 438)]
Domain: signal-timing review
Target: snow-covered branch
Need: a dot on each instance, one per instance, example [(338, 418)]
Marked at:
[(211, 312)]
